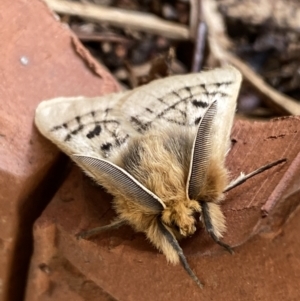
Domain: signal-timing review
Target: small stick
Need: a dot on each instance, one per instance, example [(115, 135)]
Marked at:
[(121, 18), (198, 30), (199, 47)]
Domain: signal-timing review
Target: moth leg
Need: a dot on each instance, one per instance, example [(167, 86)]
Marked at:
[(174, 243), (243, 178), (114, 225), (210, 228)]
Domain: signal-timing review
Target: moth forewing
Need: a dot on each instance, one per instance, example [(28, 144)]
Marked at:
[(81, 125), (137, 145)]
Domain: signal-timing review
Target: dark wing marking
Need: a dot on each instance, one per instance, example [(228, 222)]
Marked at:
[(91, 126), (201, 152), (174, 107), (121, 180)]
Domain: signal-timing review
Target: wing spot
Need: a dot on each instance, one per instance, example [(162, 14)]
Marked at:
[(68, 138), (149, 110), (95, 132), (141, 127), (197, 120), (224, 83), (106, 147), (121, 140), (199, 103), (56, 128), (187, 89), (77, 130)]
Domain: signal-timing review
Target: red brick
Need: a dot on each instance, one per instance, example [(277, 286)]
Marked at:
[(122, 265), (38, 61)]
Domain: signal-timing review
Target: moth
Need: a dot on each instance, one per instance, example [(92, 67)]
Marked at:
[(159, 150)]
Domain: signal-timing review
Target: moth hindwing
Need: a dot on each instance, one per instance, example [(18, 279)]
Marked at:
[(158, 149)]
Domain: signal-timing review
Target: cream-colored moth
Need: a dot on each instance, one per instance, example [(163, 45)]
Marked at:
[(158, 149)]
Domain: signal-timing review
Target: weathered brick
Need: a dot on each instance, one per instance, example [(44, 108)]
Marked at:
[(122, 265), (38, 61)]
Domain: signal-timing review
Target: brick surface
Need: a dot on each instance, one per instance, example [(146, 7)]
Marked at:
[(122, 265), (39, 59)]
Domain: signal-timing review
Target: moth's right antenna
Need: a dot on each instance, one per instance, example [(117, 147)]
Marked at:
[(201, 153), (174, 243)]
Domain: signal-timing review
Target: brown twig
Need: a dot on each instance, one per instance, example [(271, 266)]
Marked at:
[(99, 37), (198, 32), (199, 47), (194, 17), (121, 18)]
